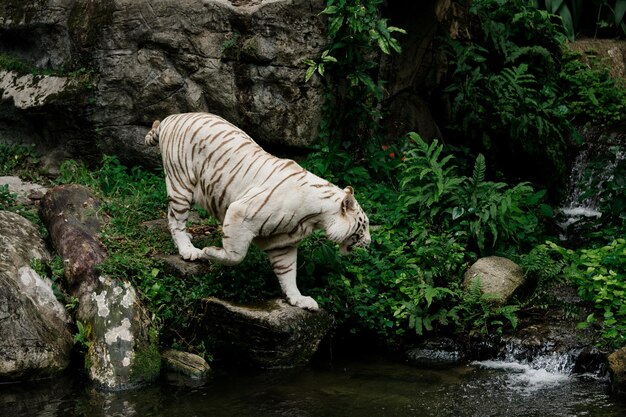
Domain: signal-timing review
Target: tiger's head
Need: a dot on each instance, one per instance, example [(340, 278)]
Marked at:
[(358, 225)]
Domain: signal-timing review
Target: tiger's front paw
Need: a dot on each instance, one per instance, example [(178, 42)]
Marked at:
[(191, 254), (305, 302)]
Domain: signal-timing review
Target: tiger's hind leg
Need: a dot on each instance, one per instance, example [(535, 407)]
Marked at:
[(177, 214), (238, 235), (284, 263)]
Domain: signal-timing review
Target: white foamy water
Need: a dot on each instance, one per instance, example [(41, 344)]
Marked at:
[(523, 378)]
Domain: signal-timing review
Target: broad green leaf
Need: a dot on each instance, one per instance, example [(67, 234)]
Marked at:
[(383, 45), (309, 72)]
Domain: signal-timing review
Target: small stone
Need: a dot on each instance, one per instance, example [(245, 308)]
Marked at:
[(188, 364), (617, 370)]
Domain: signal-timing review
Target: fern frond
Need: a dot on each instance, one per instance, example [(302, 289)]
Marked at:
[(480, 166)]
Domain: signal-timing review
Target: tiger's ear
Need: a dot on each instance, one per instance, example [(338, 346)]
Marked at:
[(348, 202)]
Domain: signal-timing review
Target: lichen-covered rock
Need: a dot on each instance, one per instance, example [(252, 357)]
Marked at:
[(31, 91), (122, 354), (35, 338), (498, 276), (270, 334)]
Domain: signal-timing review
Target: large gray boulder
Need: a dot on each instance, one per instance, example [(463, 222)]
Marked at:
[(121, 352), (269, 334), (497, 276), (143, 60), (34, 326)]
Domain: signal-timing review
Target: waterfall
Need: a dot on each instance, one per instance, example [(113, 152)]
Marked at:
[(528, 370), (592, 174)]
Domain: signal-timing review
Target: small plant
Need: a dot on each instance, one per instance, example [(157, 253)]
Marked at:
[(599, 274), (83, 336), (18, 160), (7, 198), (484, 313), (589, 91), (231, 41)]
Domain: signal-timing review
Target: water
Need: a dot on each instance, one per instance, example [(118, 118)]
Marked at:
[(593, 169), (370, 386)]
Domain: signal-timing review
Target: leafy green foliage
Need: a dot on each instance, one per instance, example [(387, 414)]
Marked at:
[(483, 313), (481, 213), (409, 281), (13, 63), (600, 276), (506, 96), (17, 160), (516, 94), (7, 198), (357, 33), (589, 91), (83, 336)]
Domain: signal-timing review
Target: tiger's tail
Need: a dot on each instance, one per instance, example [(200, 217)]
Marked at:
[(152, 138)]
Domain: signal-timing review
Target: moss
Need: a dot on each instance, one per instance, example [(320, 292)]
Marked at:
[(250, 46), (147, 362)]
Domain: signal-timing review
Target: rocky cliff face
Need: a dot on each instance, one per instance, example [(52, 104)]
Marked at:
[(142, 60), (117, 65)]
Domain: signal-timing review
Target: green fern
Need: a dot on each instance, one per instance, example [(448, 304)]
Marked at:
[(428, 181), (480, 167)]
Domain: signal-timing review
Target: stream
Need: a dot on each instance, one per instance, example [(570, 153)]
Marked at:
[(368, 386)]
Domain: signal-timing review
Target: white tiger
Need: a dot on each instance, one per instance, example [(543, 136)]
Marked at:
[(259, 198)]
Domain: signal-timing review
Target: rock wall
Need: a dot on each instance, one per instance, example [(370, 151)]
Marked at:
[(124, 63), (147, 59)]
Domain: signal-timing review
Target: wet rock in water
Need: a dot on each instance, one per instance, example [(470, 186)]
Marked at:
[(269, 334), (617, 370), (436, 352), (184, 363), (35, 338), (122, 354), (554, 343), (498, 276)]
